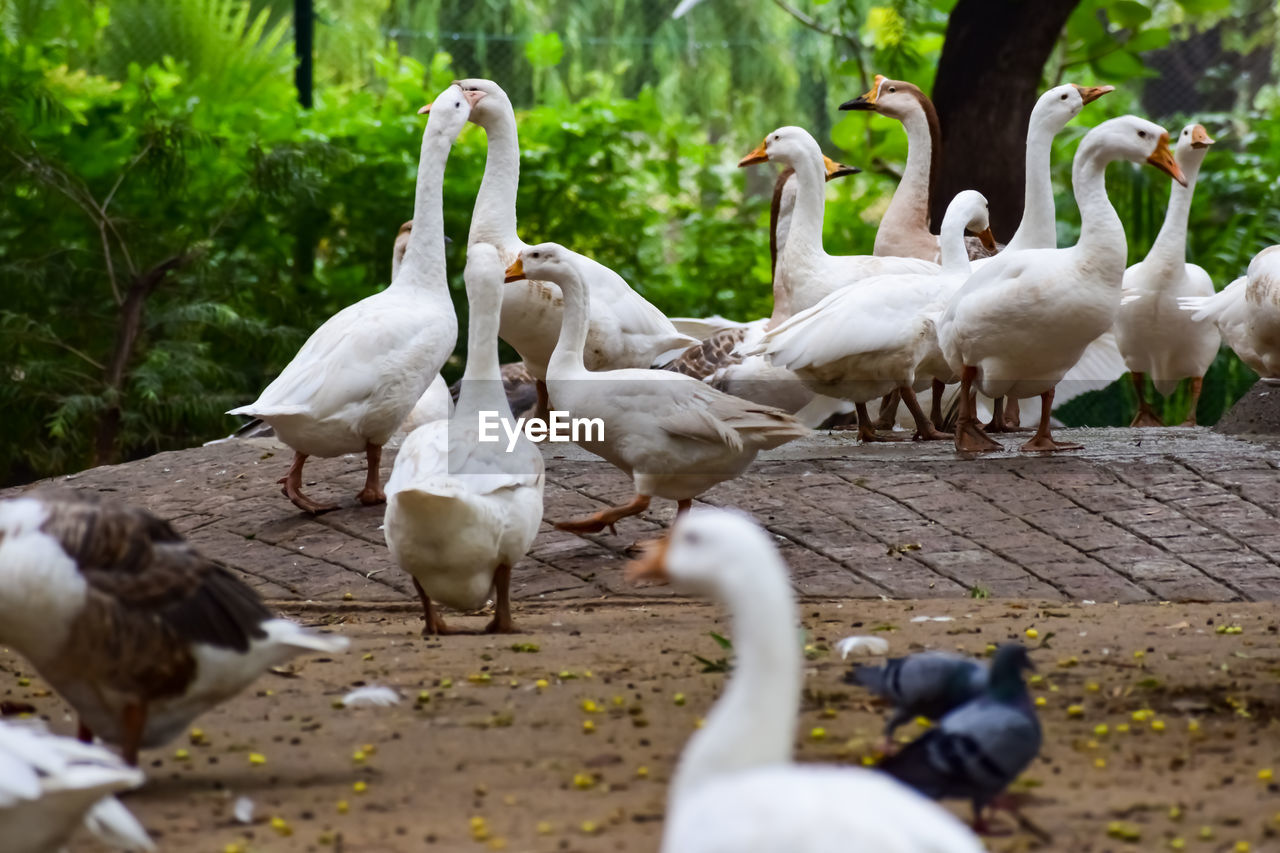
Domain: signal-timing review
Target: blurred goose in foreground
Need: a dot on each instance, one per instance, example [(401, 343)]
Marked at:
[(51, 785), (1247, 313), (736, 788), (673, 435), (356, 378), (127, 622), (461, 511), (1017, 327)]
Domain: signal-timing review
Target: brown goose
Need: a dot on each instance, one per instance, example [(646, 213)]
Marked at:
[(130, 624)]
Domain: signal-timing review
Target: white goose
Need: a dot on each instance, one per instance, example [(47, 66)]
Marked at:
[(1247, 313), (358, 375), (435, 402), (736, 788), (50, 785), (625, 330), (1157, 339), (805, 273), (1101, 363), (1016, 328), (878, 336), (127, 622), (462, 511), (673, 435)]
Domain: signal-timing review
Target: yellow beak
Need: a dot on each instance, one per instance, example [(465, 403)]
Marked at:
[(1162, 159), (759, 155), (988, 239), (515, 272)]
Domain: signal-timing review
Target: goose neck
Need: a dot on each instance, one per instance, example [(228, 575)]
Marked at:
[(484, 299), (955, 254), (493, 220), (754, 721), (908, 210), (1170, 247), (567, 357), (1038, 228), (424, 264), (1101, 231)]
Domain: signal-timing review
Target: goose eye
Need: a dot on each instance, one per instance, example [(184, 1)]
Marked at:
[(1064, 96), (1142, 133), (893, 88)]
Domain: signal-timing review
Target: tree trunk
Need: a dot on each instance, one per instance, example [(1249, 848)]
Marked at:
[(988, 81), (131, 312)]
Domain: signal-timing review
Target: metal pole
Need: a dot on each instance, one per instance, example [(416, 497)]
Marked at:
[(304, 28)]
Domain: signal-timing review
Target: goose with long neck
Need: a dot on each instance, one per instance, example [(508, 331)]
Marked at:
[(360, 373), (1016, 328), (1038, 228), (674, 436), (736, 786), (804, 273), (864, 341), (1156, 338), (461, 510), (624, 329)]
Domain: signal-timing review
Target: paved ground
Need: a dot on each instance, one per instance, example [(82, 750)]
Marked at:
[(1171, 514)]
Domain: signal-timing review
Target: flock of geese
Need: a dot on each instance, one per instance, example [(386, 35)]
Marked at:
[(140, 634)]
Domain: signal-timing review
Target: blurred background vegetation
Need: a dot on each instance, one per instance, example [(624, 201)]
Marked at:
[(174, 224)]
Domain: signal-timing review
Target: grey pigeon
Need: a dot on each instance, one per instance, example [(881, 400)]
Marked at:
[(927, 685), (978, 749)]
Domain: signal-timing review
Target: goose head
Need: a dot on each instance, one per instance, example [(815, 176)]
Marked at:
[(792, 145), (543, 262), (491, 103), (1193, 143), (448, 113), (709, 552), (971, 206), (1061, 104), (894, 98), (1136, 140)]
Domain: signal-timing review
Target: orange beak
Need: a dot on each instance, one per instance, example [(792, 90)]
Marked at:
[(838, 170), (473, 96), (650, 565), (424, 110), (988, 239), (1089, 94), (759, 155), (1162, 159), (1200, 137), (515, 272)]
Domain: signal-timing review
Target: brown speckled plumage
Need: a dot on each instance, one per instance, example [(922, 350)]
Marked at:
[(709, 356)]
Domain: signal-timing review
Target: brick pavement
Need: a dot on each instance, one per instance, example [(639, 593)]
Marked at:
[(1170, 514)]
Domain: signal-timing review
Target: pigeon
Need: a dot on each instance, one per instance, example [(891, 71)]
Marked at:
[(927, 685), (978, 749)]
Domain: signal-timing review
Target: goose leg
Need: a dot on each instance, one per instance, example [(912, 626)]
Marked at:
[(1197, 385), (1146, 416), (502, 623), (1043, 439), (293, 488), (372, 492), (434, 624), (1013, 416), (866, 429), (925, 430), (598, 521), (935, 405), (133, 724), (542, 409), (969, 435), (888, 417)]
